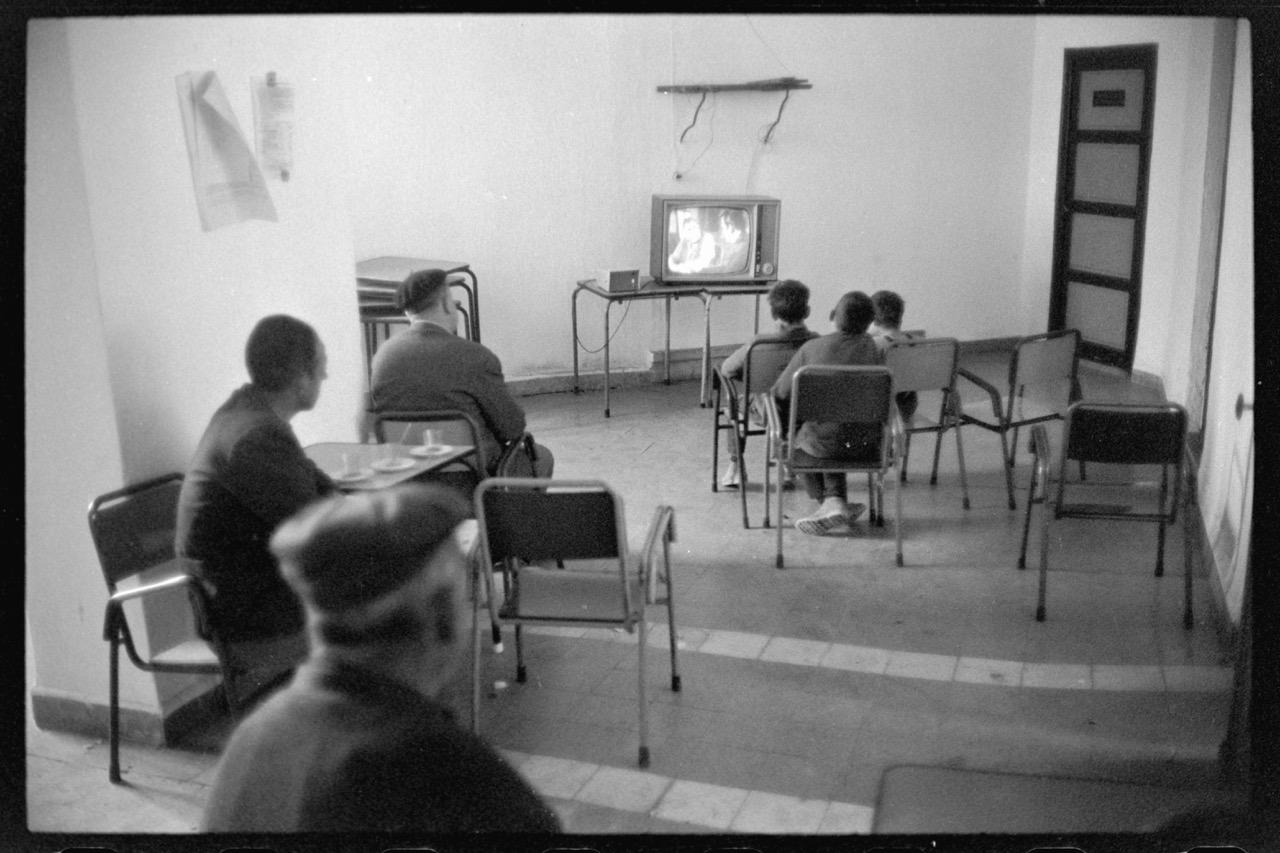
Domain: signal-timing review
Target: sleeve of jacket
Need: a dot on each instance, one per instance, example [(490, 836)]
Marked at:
[(502, 414), (782, 386), (268, 472)]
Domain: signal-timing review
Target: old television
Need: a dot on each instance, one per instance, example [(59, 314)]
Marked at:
[(709, 239)]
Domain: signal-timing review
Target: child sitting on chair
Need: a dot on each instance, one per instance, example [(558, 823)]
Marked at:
[(886, 329), (789, 305), (849, 344)]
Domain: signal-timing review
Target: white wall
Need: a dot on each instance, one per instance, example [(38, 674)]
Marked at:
[(136, 318), (1226, 469), (1176, 177), (529, 147)]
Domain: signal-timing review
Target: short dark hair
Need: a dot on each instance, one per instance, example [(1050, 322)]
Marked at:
[(420, 289), (888, 307), (853, 313), (789, 300), (279, 350)]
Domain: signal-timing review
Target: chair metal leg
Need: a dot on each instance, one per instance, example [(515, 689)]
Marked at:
[(897, 519), (742, 480), (475, 664), (114, 712), (1187, 618), (1044, 558), (715, 451), (778, 498), (521, 674), (1008, 468), (937, 454), (1026, 519), (964, 480), (906, 455), (671, 617), (768, 464), (644, 709)]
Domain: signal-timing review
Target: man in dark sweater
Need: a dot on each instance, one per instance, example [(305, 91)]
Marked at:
[(248, 474), (358, 740)]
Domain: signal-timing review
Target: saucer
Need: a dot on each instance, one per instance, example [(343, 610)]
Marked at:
[(351, 476), (429, 449), (388, 465)]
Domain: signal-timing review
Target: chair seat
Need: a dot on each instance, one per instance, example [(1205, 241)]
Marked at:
[(194, 652), (570, 594), (802, 461)]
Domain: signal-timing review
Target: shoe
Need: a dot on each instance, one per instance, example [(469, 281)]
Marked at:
[(730, 480), (854, 511), (823, 524)]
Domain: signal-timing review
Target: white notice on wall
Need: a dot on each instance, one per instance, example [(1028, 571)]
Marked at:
[(273, 124), (228, 183)]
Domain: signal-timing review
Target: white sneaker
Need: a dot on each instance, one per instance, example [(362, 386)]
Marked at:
[(730, 480), (823, 523)]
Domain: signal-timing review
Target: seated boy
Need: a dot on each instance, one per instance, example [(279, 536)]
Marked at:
[(789, 305), (849, 344), (887, 328)]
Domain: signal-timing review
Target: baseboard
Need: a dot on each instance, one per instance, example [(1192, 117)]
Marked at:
[(564, 382), (55, 711)]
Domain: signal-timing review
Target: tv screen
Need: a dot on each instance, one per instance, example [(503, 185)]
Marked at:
[(713, 239)]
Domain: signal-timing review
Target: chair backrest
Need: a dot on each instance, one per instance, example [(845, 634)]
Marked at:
[(1045, 358), (1126, 433), (455, 426), (765, 362), (841, 394), (923, 365), (541, 519), (133, 528)]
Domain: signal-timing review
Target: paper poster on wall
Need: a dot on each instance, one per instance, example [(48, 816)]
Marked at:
[(273, 125), (228, 183)]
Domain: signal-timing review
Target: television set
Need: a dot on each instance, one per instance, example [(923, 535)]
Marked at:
[(710, 239)]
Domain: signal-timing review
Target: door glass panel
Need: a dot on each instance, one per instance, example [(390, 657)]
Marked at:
[(1102, 244), (1111, 99), (1099, 313), (1107, 173)]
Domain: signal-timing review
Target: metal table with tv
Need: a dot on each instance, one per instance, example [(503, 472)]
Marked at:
[(706, 292)]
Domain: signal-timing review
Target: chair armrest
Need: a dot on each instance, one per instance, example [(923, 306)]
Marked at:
[(115, 604), (991, 390), (662, 529)]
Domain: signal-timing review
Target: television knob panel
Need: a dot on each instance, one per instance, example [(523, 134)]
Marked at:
[(766, 268)]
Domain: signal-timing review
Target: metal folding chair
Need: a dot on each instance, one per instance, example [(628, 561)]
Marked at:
[(1112, 434), (526, 521), (1042, 384), (922, 366), (841, 394)]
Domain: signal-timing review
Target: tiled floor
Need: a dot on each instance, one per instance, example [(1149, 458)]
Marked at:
[(804, 687)]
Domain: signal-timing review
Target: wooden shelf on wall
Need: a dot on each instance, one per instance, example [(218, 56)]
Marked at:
[(776, 84)]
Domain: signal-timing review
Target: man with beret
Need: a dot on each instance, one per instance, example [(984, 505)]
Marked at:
[(428, 367), (248, 474), (357, 741)]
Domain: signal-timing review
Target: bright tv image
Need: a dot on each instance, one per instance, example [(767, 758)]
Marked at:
[(710, 239)]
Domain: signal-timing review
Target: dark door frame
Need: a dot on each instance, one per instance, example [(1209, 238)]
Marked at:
[(1089, 59)]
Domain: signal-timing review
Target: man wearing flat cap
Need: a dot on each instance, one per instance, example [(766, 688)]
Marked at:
[(357, 741), (428, 367)]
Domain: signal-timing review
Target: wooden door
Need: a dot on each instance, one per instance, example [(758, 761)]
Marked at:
[(1103, 160)]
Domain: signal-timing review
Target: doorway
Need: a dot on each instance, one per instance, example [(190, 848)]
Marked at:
[(1100, 220)]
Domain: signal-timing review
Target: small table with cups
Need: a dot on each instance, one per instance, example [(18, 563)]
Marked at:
[(357, 467)]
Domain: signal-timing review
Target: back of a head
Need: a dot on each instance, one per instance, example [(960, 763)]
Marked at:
[(279, 350), (789, 300), (345, 553), (889, 308), (853, 313), (421, 290)]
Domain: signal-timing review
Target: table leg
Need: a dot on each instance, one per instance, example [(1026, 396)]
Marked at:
[(757, 323), (706, 347), (574, 302), (666, 352), (607, 305)]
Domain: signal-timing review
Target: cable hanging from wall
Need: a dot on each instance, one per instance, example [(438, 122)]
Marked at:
[(776, 84)]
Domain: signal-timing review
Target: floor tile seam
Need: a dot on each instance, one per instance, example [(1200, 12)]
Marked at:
[(1119, 678), (668, 785)]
